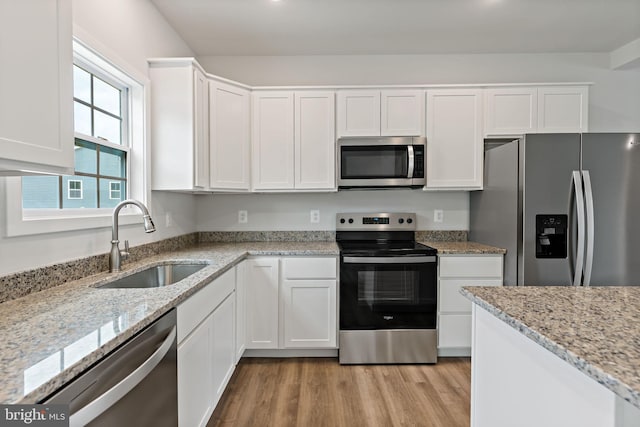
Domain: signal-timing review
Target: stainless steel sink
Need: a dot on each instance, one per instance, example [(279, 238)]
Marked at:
[(156, 277)]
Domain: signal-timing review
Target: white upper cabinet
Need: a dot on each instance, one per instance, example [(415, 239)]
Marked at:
[(542, 109), (358, 113), (315, 140), (402, 112), (272, 139), (36, 87), (179, 126), (380, 113), (563, 109), (293, 140), (454, 139), (511, 111), (230, 148)]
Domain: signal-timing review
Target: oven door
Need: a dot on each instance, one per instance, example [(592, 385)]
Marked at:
[(388, 292)]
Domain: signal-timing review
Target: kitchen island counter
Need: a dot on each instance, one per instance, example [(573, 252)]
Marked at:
[(49, 337), (595, 330)]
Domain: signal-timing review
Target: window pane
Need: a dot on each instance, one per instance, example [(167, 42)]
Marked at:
[(106, 127), (81, 84), (113, 162), (81, 118), (106, 96), (86, 157), (89, 192), (40, 192), (111, 192)]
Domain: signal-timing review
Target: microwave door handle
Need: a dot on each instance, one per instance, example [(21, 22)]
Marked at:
[(411, 161)]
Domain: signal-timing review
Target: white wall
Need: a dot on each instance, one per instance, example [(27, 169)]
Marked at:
[(133, 30), (614, 97), (291, 211)]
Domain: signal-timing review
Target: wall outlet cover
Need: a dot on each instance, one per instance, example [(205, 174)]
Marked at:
[(438, 215), (314, 215), (243, 217)]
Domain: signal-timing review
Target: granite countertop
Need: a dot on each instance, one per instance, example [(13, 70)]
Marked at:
[(49, 337), (463, 247), (595, 329)]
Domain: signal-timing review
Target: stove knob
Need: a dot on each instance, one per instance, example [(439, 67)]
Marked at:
[(350, 220), (342, 221), (409, 220), (401, 221)]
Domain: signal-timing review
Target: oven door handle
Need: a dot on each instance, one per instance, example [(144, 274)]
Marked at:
[(389, 260)]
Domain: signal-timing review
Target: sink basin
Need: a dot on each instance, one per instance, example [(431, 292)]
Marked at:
[(156, 277)]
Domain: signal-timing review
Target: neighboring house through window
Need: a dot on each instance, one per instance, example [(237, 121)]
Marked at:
[(74, 189)]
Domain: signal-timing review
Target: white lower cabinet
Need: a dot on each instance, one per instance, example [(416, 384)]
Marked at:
[(291, 303), (241, 313), (206, 349), (454, 310), (262, 303)]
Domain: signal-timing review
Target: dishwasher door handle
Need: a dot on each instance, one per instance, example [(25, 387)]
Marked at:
[(109, 398)]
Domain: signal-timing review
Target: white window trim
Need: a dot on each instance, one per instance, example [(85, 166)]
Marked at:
[(60, 220), (69, 189), (111, 190)]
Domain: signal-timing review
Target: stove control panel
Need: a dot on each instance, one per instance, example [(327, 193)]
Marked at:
[(376, 221)]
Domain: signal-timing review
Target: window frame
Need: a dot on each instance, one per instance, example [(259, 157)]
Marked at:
[(69, 189), (85, 48)]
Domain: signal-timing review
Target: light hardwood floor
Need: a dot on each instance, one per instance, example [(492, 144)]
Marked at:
[(320, 392)]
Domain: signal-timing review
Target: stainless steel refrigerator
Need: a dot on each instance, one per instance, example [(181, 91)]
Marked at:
[(565, 206)]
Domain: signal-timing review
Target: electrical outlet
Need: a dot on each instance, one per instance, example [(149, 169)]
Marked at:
[(168, 219), (314, 216), (243, 217), (438, 215)]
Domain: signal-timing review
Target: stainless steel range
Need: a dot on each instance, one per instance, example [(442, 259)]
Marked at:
[(388, 290)]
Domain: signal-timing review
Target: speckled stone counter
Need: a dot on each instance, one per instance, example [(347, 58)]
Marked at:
[(49, 337), (462, 247), (595, 329)]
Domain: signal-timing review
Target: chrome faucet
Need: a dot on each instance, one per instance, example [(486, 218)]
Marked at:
[(116, 255)]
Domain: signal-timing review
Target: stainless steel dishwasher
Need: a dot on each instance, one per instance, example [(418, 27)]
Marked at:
[(135, 385)]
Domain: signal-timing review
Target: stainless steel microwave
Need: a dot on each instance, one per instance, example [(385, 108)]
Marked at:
[(381, 162)]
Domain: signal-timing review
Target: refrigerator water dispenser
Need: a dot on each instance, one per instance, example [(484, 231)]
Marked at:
[(551, 236)]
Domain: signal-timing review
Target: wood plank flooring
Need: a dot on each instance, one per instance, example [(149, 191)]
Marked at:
[(321, 392)]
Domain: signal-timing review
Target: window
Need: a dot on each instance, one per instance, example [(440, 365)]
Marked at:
[(109, 100), (74, 189), (100, 124)]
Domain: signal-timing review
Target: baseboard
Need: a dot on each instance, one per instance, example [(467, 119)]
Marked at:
[(454, 352), (323, 352)]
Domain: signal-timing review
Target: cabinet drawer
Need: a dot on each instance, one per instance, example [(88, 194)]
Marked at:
[(451, 300), (471, 266), (199, 305), (454, 330), (309, 268)]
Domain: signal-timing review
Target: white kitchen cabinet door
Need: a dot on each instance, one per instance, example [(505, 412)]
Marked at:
[(402, 112), (309, 313), (36, 87), (195, 388), (358, 113), (454, 310), (511, 111), (272, 141), (262, 276), (201, 126), (223, 350), (455, 144), (229, 123), (179, 126), (241, 312), (563, 109), (315, 140)]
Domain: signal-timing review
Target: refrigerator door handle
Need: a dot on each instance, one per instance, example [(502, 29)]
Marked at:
[(577, 193), (588, 194)]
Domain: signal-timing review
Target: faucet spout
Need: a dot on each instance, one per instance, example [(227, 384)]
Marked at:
[(115, 258)]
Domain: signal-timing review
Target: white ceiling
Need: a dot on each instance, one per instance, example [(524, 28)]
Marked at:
[(337, 27)]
